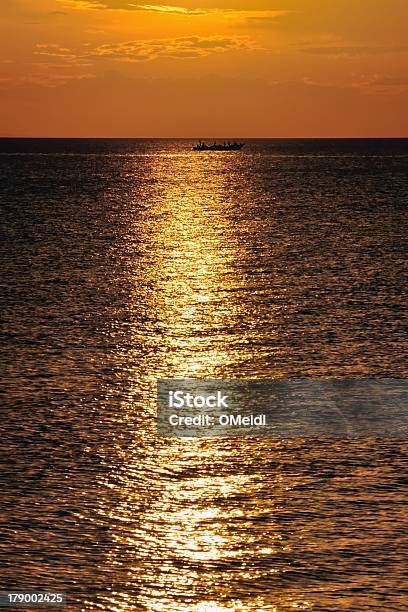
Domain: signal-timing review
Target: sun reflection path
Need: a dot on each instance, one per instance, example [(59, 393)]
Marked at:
[(188, 535), (192, 533), (195, 269), (193, 276)]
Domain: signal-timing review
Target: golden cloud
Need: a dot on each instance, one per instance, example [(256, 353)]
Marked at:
[(168, 9), (183, 47), (132, 6), (145, 50), (175, 10)]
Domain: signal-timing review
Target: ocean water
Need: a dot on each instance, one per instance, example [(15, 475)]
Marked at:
[(125, 261)]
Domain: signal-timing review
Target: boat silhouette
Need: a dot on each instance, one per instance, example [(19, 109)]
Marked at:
[(226, 146)]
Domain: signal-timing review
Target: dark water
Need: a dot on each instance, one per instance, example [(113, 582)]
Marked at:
[(126, 261)]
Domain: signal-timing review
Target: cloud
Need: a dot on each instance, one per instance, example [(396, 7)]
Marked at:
[(61, 56), (350, 51), (86, 4), (124, 5), (176, 10), (263, 19), (167, 9), (52, 50), (145, 50), (183, 47), (247, 14)]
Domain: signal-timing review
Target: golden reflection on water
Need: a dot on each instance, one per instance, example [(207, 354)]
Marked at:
[(192, 273), (194, 544), (196, 537)]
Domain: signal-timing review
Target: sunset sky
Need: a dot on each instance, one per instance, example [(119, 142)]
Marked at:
[(204, 68)]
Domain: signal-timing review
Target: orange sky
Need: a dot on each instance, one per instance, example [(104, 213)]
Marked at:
[(204, 68)]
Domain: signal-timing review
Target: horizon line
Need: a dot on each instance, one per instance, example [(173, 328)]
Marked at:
[(15, 137)]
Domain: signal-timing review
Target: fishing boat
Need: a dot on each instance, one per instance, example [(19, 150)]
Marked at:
[(226, 146)]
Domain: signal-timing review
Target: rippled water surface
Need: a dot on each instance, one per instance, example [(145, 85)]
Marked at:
[(126, 261)]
